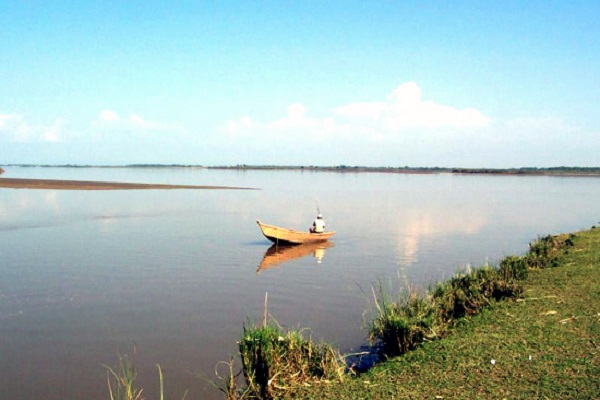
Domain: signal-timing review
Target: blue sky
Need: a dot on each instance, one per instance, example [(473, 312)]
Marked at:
[(387, 83)]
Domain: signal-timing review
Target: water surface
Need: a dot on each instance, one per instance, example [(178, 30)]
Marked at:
[(88, 275)]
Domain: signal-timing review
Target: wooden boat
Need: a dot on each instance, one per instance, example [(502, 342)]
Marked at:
[(280, 254), (290, 236)]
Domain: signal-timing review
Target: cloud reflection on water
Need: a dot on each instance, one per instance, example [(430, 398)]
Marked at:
[(423, 223)]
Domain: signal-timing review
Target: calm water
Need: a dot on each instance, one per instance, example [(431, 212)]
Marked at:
[(88, 275)]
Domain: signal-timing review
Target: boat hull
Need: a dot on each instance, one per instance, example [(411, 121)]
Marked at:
[(290, 236)]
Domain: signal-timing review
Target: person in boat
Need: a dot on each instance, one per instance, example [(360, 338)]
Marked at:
[(318, 225)]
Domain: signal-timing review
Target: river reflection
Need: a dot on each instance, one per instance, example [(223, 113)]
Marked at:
[(436, 221), (280, 254)]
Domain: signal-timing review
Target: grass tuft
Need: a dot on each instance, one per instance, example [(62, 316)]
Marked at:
[(275, 360), (122, 380), (514, 267), (544, 252), (402, 325)]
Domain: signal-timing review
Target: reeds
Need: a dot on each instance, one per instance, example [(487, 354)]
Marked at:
[(402, 325), (275, 360), (122, 381), (228, 384)]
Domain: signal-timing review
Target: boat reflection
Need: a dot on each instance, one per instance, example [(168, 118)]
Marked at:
[(279, 254)]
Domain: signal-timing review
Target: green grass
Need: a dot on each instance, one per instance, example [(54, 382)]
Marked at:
[(402, 325), (122, 380), (276, 361), (545, 344)]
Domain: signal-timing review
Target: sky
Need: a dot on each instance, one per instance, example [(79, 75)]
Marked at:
[(494, 84)]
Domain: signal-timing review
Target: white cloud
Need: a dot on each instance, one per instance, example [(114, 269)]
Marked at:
[(407, 93), (111, 119), (296, 111), (19, 129), (375, 121), (294, 119), (53, 133), (109, 115), (362, 110), (15, 127), (539, 124), (296, 124), (141, 122), (237, 126), (4, 120), (405, 108)]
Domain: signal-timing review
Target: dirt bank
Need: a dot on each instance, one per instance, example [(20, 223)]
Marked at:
[(18, 183)]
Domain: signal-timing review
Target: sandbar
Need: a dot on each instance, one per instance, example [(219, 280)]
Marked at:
[(56, 184)]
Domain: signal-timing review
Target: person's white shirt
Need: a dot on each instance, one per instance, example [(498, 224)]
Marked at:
[(319, 225)]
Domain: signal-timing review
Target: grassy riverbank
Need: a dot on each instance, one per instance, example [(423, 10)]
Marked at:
[(544, 344), (542, 341)]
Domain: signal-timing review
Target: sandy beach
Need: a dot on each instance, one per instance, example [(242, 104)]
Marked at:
[(18, 183)]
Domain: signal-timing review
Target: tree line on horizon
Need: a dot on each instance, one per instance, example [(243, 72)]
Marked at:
[(560, 170)]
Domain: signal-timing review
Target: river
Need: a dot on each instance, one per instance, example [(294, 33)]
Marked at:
[(88, 275)]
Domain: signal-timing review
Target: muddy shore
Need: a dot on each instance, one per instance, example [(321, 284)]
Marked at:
[(19, 183)]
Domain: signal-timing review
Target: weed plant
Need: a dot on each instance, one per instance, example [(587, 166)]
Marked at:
[(275, 360), (514, 267), (401, 325), (544, 252), (122, 381), (467, 293)]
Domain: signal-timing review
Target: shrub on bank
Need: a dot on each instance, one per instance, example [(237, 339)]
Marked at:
[(468, 293), (544, 252), (275, 360), (402, 325), (514, 267)]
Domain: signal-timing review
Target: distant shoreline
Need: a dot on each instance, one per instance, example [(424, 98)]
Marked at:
[(55, 184), (521, 171), (555, 171)]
